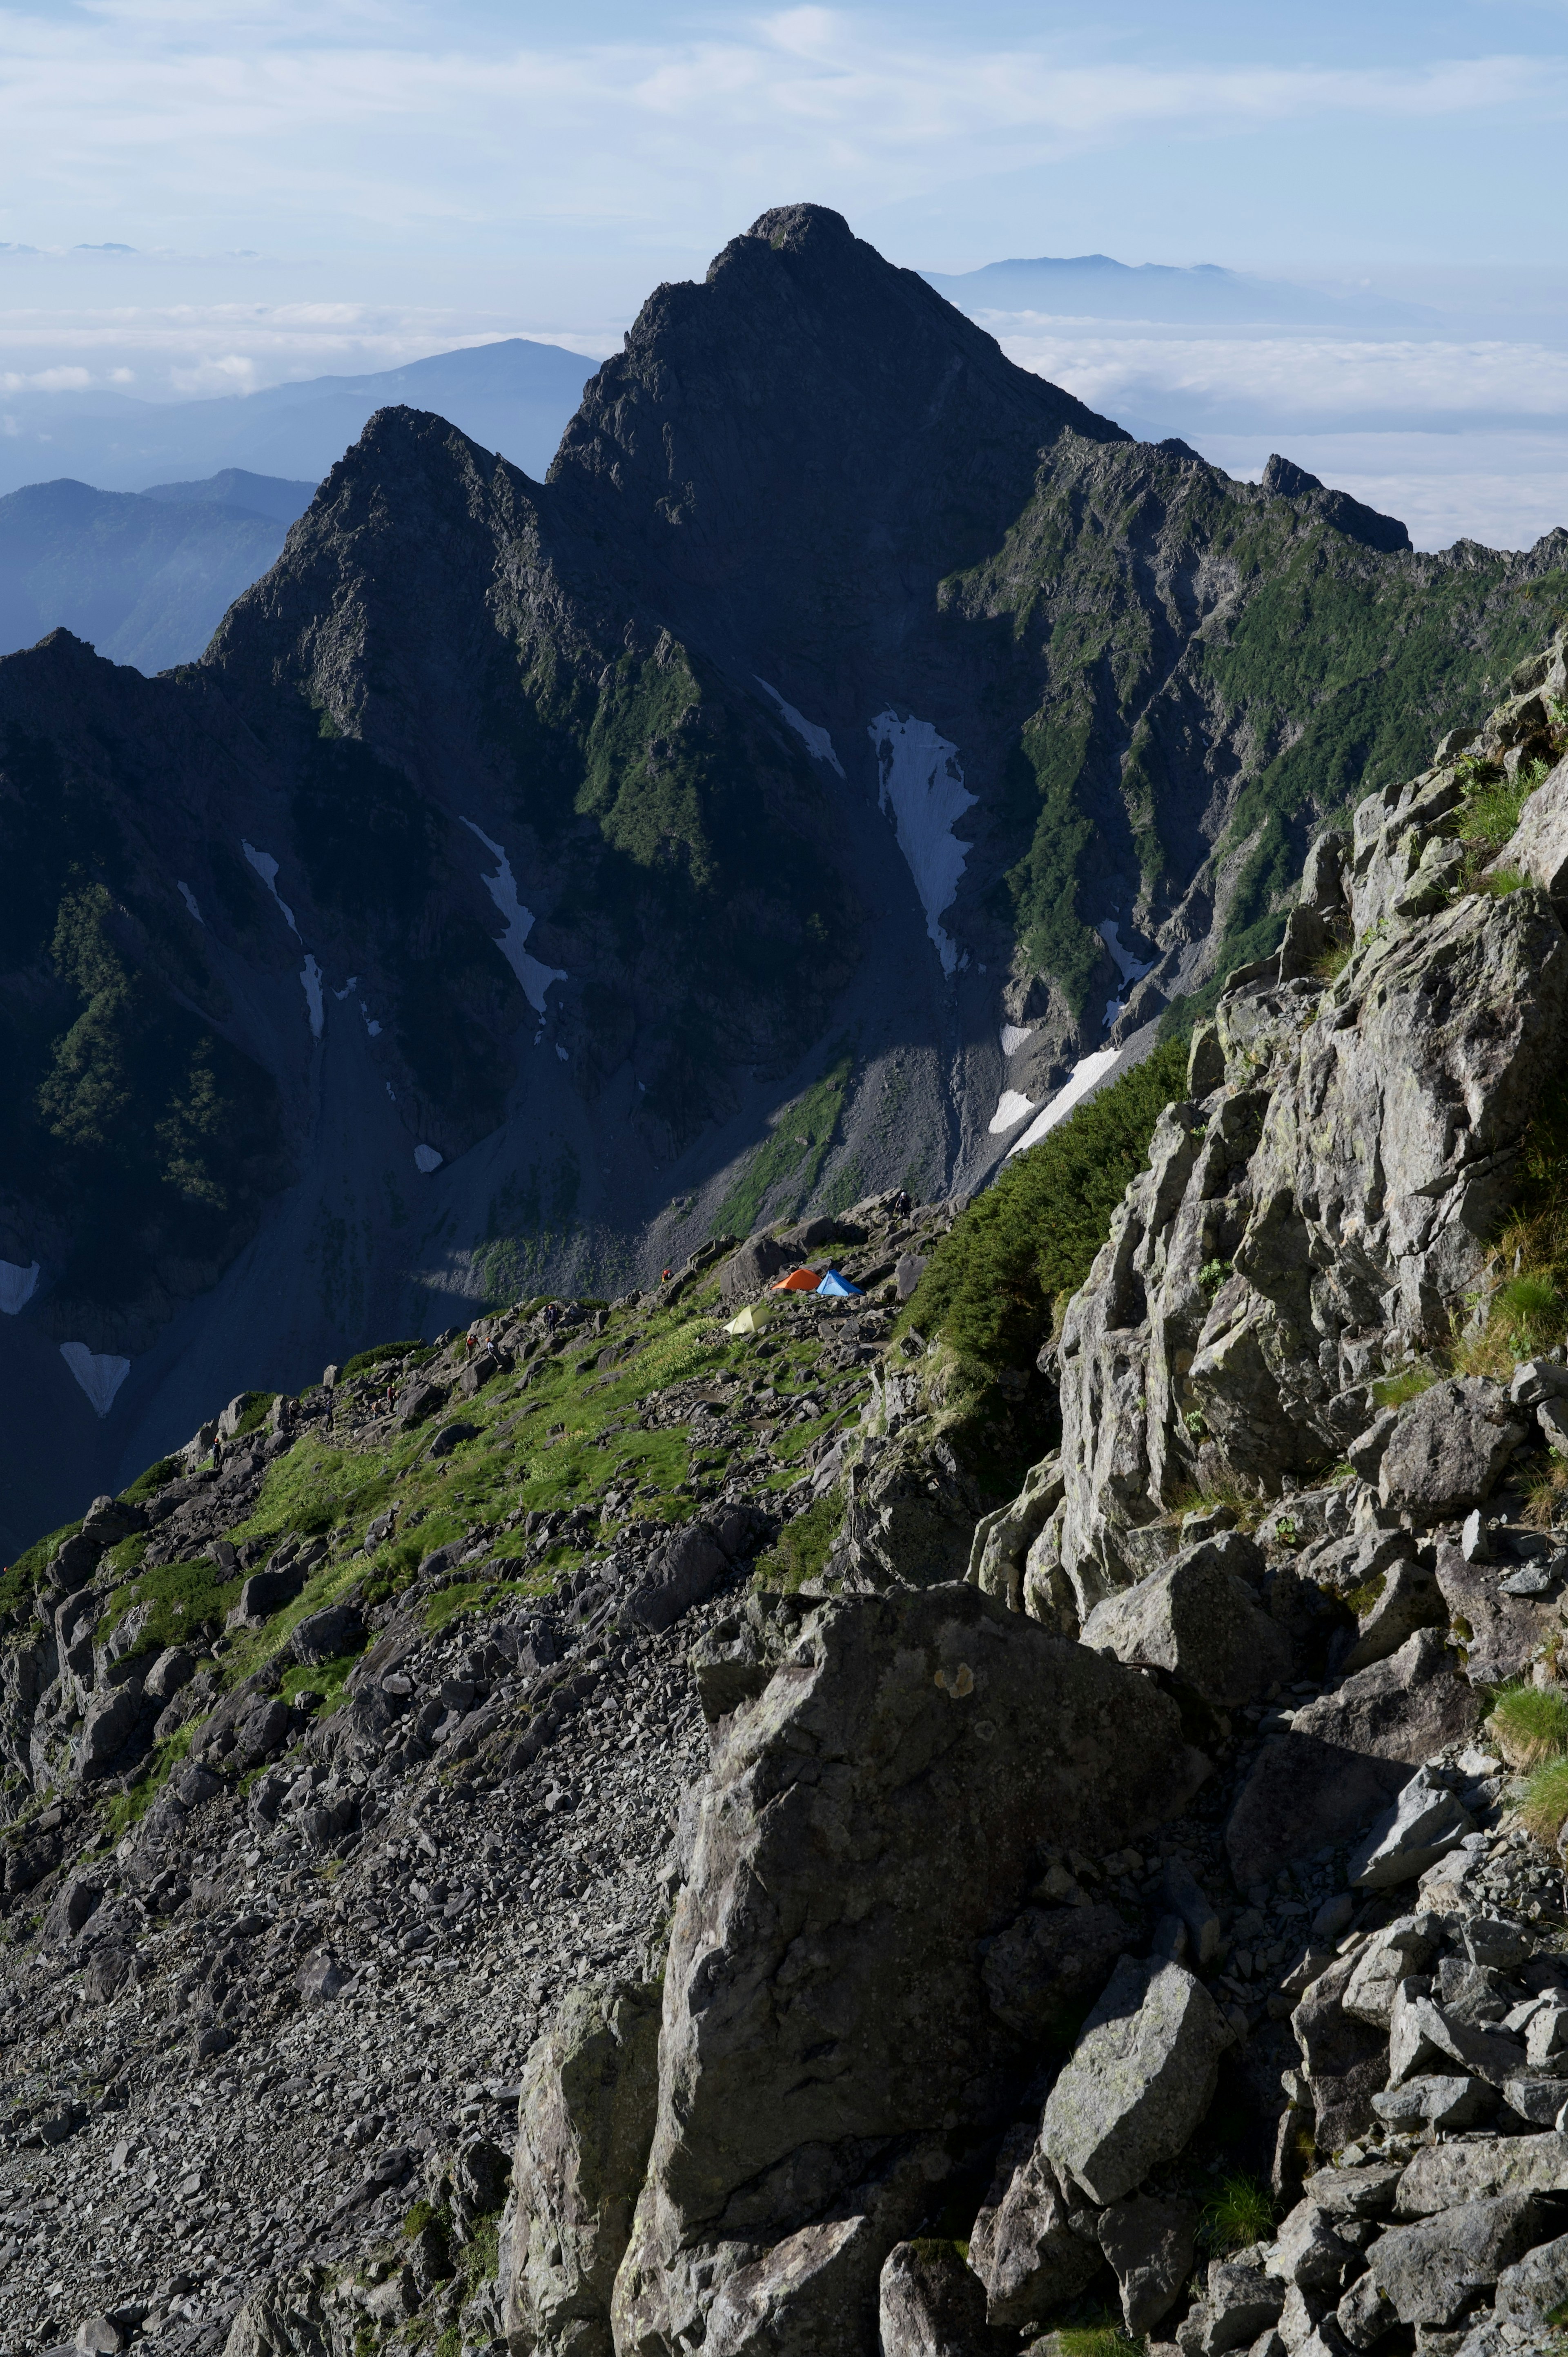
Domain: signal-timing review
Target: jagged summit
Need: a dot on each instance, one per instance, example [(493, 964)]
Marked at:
[(853, 743)]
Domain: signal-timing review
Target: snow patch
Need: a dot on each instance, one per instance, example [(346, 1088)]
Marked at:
[(1011, 1107), (266, 868), (816, 740), (922, 783), (310, 975), (1084, 1075), (99, 1378), (17, 1285), (352, 984), (189, 897), (426, 1158), (391, 1093), (562, 1053), (372, 1025), (535, 977), (1013, 1039), (1127, 966)]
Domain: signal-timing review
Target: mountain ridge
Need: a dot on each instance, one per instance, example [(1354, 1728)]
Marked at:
[(1047, 719)]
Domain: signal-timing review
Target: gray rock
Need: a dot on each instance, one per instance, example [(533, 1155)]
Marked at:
[(1149, 2245), (869, 1819), (1003, 1537), (1347, 1757), (1409, 1599), (1493, 1941), (929, 2304), (1238, 2304), (327, 1635), (1447, 2176), (1365, 2191), (685, 1571), (174, 1669), (1185, 1896), (584, 2122), (1503, 1634), (1535, 1380), (1346, 2061), (1138, 2080), (746, 1274), (1448, 1449), (1538, 847), (1309, 2252), (264, 1593), (1430, 2273), (1401, 1948), (452, 1435), (1022, 2246), (1436, 2102), (1199, 1621), (1539, 2101), (110, 1721), (1363, 2315), (1049, 1960), (99, 2336), (1426, 1823), (1535, 2288), (907, 1276)]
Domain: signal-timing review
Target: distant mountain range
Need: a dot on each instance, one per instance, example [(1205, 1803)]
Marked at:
[(854, 744), (513, 397), (146, 577), (1092, 286)]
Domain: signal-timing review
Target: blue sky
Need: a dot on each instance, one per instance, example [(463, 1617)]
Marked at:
[(313, 187)]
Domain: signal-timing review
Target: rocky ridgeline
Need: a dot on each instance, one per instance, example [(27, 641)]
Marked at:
[(689, 1942), (290, 1890)]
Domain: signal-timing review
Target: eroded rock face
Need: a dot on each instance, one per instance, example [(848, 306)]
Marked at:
[(1341, 1185), (873, 1815), (584, 2121)]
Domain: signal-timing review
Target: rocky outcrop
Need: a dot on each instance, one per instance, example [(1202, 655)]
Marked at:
[(873, 1815), (584, 2121), (1318, 1216)]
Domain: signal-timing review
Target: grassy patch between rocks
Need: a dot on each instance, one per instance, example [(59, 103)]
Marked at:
[(1530, 1726), (1239, 2213), (1542, 1805)]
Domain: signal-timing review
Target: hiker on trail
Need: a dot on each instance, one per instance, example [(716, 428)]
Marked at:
[(665, 1277), (470, 1342)]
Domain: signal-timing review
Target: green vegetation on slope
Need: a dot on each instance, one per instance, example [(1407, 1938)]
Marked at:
[(1031, 1238), (793, 1155)]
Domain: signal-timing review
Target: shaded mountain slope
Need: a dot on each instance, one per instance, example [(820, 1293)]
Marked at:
[(145, 580), (852, 735)]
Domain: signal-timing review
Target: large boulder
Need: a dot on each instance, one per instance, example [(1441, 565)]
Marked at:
[(1430, 2273), (930, 2305), (1199, 1621), (1536, 2286), (1347, 1757), (1030, 2245), (1139, 2080), (685, 1572), (872, 1817), (1448, 1447), (584, 2121), (749, 1271), (1502, 1634)]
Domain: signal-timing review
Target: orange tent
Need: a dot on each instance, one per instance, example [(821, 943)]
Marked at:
[(799, 1280)]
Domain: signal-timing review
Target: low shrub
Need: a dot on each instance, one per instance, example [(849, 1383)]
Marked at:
[(803, 1546), (1393, 1391), (1033, 1236)]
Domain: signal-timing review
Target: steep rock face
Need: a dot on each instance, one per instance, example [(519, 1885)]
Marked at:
[(831, 754), (872, 1815), (1317, 1218)]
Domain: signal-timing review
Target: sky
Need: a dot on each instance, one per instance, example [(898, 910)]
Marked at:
[(337, 187)]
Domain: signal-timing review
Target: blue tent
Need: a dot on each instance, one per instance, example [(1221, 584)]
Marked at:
[(839, 1288)]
